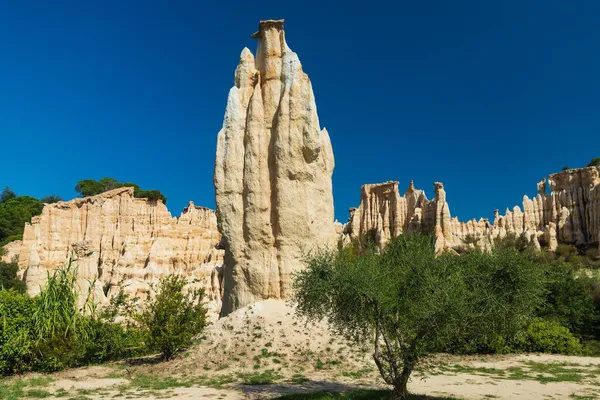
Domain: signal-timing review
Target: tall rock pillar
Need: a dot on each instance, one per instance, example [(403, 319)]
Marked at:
[(272, 173)]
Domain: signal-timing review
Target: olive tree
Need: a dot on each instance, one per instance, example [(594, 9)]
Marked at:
[(409, 303)]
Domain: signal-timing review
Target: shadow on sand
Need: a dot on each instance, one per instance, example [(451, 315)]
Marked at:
[(323, 390)]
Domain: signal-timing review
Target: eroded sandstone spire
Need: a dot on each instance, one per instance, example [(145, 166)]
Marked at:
[(272, 173)]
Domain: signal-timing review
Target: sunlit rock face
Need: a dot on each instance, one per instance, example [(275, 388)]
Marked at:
[(272, 173), (10, 251), (114, 237), (565, 210)]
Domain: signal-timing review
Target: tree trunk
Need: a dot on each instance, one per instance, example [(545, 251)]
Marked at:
[(400, 391)]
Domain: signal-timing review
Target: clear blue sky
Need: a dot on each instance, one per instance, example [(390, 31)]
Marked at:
[(486, 97)]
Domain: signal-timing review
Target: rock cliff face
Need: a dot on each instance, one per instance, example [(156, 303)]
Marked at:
[(11, 251), (115, 236), (568, 213), (272, 173)]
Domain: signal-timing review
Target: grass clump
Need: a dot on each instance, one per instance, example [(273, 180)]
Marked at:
[(263, 378)]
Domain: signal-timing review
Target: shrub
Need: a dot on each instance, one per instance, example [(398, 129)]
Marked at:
[(567, 252), (50, 332), (16, 342), (569, 299), (8, 277), (171, 317), (543, 336)]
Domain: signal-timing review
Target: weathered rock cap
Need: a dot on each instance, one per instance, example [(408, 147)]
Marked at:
[(265, 25)]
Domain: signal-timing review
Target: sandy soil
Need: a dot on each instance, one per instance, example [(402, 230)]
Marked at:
[(268, 342)]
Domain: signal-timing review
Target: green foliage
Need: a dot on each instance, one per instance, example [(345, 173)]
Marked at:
[(7, 194), (52, 198), (16, 343), (512, 241), (595, 162), (14, 212), (50, 332), (410, 303), (171, 317), (570, 299), (547, 337), (90, 187), (565, 168), (8, 276)]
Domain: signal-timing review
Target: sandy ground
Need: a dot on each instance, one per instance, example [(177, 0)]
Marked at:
[(266, 342)]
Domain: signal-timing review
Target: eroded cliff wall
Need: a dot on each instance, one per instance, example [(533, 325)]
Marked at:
[(115, 236), (272, 173), (565, 210)]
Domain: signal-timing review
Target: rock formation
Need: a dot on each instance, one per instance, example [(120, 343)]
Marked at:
[(569, 213), (272, 173), (11, 251), (115, 236)]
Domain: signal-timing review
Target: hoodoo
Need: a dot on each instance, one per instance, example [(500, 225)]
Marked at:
[(272, 173)]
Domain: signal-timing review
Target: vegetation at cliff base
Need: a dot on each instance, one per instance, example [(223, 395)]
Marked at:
[(409, 303), (51, 332), (8, 275), (172, 318), (90, 187)]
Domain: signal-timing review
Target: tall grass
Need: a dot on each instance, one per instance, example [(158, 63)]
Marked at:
[(51, 332)]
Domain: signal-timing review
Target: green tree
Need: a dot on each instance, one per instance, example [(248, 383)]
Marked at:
[(7, 194), (90, 187), (171, 317), (52, 198), (595, 162), (410, 303), (14, 213)]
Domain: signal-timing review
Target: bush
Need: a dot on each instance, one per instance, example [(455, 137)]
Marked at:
[(172, 318), (8, 277), (16, 343), (569, 299), (49, 332), (543, 336)]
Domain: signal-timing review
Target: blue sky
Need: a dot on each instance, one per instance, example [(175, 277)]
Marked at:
[(486, 97)]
